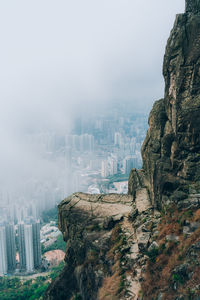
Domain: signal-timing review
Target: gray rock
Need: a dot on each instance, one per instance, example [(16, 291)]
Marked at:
[(143, 240), (194, 226), (153, 246), (133, 215), (117, 218), (186, 230), (160, 296), (172, 238), (181, 297)]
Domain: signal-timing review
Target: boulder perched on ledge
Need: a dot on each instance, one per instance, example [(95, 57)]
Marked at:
[(87, 223)]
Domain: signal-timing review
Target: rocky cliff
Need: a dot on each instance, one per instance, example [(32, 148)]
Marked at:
[(146, 245), (171, 150), (106, 238)]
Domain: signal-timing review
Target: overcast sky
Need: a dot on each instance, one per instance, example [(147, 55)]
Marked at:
[(58, 56)]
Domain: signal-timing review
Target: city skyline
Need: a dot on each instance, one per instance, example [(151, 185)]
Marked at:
[(76, 159)]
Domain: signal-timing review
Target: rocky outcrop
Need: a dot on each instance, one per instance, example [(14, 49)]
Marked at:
[(106, 239), (87, 222), (171, 150)]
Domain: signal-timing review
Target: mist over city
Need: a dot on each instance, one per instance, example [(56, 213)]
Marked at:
[(64, 62)]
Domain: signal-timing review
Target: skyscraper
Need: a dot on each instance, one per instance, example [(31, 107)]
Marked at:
[(113, 166), (10, 247), (29, 245), (3, 254), (28, 239), (104, 168), (36, 244), (22, 251)]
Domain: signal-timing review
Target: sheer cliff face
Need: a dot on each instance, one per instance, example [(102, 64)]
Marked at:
[(171, 150), (89, 225), (192, 6)]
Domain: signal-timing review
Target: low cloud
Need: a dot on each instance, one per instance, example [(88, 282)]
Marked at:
[(58, 57)]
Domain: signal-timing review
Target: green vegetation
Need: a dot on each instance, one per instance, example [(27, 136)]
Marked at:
[(153, 254), (122, 284), (118, 178), (32, 289), (77, 297), (178, 278), (107, 183), (56, 270), (59, 244), (50, 215)]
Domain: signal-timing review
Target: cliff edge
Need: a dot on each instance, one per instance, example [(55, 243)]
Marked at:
[(171, 150), (146, 245)]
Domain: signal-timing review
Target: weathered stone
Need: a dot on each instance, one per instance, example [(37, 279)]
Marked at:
[(181, 297), (86, 222), (133, 215), (192, 6), (172, 238), (153, 246), (194, 226), (143, 240), (191, 228), (160, 296), (186, 230)]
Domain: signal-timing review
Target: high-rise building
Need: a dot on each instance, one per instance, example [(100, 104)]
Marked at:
[(76, 142), (68, 158), (104, 168), (129, 163), (113, 166), (22, 251), (86, 142), (3, 252), (90, 142), (28, 239), (118, 139), (29, 246), (11, 247), (36, 244)]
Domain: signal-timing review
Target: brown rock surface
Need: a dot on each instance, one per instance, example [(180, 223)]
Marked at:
[(87, 222)]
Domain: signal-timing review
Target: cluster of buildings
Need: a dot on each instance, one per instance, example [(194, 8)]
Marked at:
[(109, 166), (49, 234), (82, 143), (86, 159), (98, 146), (113, 165), (20, 247)]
